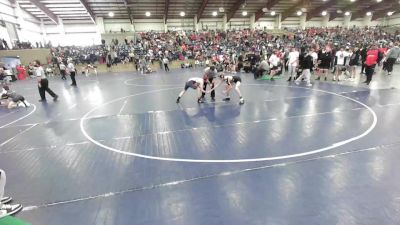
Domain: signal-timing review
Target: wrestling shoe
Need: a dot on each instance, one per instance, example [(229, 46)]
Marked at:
[(226, 99), (178, 99), (5, 200), (200, 100), (318, 78), (290, 79), (7, 210), (241, 101)]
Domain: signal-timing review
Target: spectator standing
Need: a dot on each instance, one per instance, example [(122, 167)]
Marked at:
[(72, 72), (370, 63), (307, 65), (292, 63), (354, 58), (62, 71), (166, 61), (392, 56), (341, 57)]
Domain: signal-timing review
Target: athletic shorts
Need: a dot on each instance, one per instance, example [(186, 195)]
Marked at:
[(341, 67), (190, 84), (324, 66), (238, 79), (18, 98)]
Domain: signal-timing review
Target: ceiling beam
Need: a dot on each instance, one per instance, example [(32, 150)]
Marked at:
[(269, 6), (382, 13), (384, 5), (89, 10), (166, 11), (129, 11), (291, 10), (314, 12), (234, 8), (201, 10), (333, 15), (45, 10), (348, 6)]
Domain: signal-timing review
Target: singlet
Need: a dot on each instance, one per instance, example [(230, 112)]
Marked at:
[(197, 80), (233, 79)]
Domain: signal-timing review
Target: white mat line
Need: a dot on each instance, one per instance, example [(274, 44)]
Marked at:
[(19, 133), (215, 175), (23, 117)]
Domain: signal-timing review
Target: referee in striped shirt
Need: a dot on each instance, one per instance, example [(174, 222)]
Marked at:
[(43, 83)]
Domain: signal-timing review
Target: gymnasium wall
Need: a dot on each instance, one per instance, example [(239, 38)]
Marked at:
[(28, 56), (18, 24), (394, 20), (82, 34)]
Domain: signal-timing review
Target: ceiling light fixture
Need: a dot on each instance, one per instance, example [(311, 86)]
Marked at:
[(182, 14), (214, 13), (299, 13), (390, 13), (148, 14), (369, 13), (324, 13), (273, 13), (111, 14), (244, 13), (347, 13)]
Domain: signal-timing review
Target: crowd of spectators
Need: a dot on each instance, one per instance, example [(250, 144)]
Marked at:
[(233, 50), (181, 45)]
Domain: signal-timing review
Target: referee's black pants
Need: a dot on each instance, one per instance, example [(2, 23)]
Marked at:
[(44, 86), (210, 80)]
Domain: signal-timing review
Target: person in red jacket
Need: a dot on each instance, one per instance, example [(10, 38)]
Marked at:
[(21, 72), (370, 63)]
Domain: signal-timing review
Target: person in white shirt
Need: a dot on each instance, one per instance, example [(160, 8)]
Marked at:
[(314, 55), (196, 83), (230, 82), (275, 66), (292, 63), (341, 57), (89, 68), (166, 61), (43, 83), (72, 72), (62, 70)]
